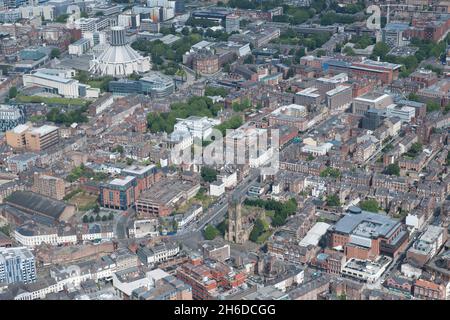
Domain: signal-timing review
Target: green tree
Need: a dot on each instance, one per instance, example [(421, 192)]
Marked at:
[(12, 92), (55, 53), (118, 148), (91, 219), (369, 205), (223, 227), (393, 169), (321, 53), (381, 49), (104, 217), (330, 172), (85, 219), (259, 228), (349, 51), (110, 216), (333, 201), (208, 174), (97, 217), (433, 106), (216, 91), (210, 232)]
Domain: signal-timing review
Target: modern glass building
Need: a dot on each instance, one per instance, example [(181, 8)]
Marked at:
[(10, 117), (17, 265)]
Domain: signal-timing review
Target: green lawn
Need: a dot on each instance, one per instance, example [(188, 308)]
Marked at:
[(263, 238), (53, 100)]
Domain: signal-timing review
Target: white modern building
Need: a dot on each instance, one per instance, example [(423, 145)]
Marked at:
[(17, 265), (198, 127), (55, 83), (230, 179), (95, 37), (366, 270), (79, 47), (405, 113), (216, 188), (317, 150), (119, 59), (47, 12)]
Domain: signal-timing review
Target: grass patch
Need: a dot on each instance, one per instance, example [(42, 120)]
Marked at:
[(263, 237), (52, 100), (84, 201)]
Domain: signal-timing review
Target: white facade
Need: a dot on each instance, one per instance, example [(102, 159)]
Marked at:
[(129, 62), (286, 283), (230, 180), (97, 236), (126, 20), (414, 221), (199, 127), (95, 37), (257, 161), (69, 88), (317, 150), (86, 24), (52, 239), (365, 270), (217, 188), (163, 255), (405, 113), (184, 219), (45, 11), (79, 47)]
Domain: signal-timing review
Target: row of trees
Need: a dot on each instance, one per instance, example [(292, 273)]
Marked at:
[(98, 218)]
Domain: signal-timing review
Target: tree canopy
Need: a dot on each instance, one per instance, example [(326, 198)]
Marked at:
[(369, 205), (208, 174), (210, 232)]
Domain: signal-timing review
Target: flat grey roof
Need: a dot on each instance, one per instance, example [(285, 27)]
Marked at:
[(366, 224)]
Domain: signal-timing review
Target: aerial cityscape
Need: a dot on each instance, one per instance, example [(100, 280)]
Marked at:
[(224, 150)]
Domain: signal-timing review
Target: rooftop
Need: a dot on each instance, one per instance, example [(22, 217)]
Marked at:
[(364, 224), (43, 130), (37, 203)]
